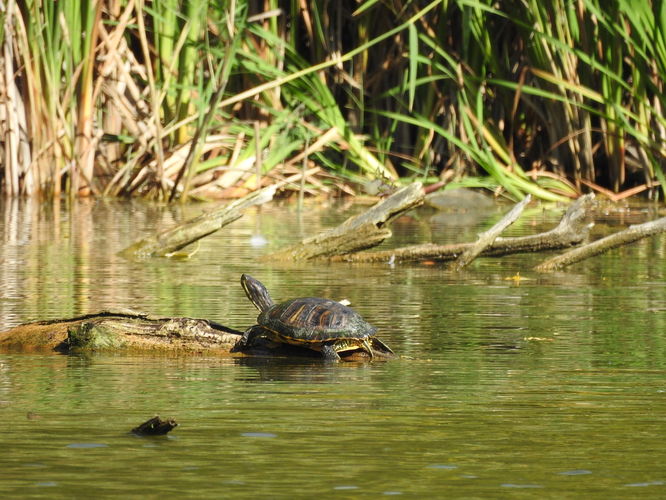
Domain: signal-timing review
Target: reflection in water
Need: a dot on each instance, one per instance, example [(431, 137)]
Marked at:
[(553, 383), (305, 370)]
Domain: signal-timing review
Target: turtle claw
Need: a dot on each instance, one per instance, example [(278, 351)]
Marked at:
[(246, 340), (329, 353)]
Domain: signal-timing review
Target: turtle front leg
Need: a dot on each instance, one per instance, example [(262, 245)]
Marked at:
[(247, 339), (329, 353)]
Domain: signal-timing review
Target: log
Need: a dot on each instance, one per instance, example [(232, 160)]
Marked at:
[(171, 240), (120, 330), (488, 237), (360, 232), (572, 229), (631, 234)]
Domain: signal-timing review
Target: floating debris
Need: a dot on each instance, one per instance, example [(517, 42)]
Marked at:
[(155, 427)]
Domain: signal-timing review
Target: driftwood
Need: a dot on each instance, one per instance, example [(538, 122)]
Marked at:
[(109, 330), (572, 229), (155, 427), (171, 240), (356, 233), (629, 235), (488, 237)]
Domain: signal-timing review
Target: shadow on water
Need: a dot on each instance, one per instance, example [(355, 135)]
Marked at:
[(304, 369)]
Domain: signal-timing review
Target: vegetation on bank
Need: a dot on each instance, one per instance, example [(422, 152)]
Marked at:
[(184, 98)]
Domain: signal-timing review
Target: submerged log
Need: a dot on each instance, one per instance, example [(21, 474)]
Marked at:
[(572, 229), (155, 427), (171, 240), (629, 235), (362, 231)]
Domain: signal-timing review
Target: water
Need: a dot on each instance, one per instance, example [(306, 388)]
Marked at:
[(549, 387)]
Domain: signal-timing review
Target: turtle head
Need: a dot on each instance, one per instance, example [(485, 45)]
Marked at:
[(256, 292)]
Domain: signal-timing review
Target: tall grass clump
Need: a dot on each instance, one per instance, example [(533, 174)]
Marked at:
[(48, 105), (528, 96), (186, 98)]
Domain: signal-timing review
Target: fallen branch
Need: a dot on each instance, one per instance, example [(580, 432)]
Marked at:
[(171, 240), (356, 233), (488, 237), (572, 229), (629, 235)]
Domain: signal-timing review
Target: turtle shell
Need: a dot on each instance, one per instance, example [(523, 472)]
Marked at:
[(311, 320)]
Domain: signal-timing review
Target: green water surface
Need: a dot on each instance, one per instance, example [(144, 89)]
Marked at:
[(552, 386)]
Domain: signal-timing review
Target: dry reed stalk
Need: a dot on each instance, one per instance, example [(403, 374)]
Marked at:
[(10, 117)]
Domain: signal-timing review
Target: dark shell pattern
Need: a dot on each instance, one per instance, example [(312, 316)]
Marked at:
[(315, 320)]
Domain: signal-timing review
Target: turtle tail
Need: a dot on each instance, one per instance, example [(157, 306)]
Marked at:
[(256, 292)]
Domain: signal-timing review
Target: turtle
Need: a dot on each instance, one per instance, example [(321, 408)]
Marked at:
[(322, 325)]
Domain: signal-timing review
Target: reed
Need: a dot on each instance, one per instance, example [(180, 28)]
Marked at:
[(181, 98)]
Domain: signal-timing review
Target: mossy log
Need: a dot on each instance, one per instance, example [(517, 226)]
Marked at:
[(109, 330)]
